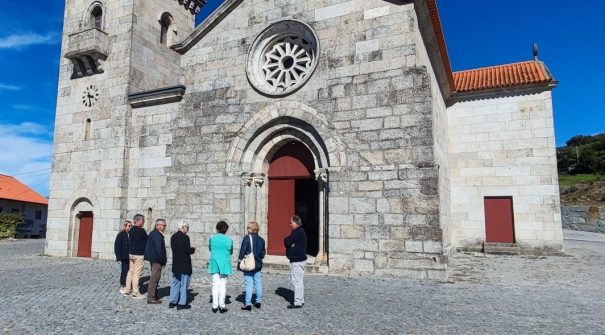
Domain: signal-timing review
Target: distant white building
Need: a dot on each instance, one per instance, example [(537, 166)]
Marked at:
[(16, 197)]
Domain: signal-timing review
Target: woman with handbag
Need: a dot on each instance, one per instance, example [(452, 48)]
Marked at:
[(251, 256), (221, 248)]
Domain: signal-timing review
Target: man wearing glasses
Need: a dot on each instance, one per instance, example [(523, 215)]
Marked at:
[(155, 253)]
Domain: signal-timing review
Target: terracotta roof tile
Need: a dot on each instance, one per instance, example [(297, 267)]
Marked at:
[(12, 189), (508, 75)]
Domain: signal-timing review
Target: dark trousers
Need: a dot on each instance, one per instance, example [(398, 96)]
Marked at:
[(154, 279), (124, 273)]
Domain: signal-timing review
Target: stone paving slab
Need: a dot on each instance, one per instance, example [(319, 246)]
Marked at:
[(486, 294)]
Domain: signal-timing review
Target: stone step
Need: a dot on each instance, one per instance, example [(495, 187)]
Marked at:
[(501, 248), (283, 268)]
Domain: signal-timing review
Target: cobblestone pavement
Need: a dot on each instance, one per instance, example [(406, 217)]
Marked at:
[(486, 295)]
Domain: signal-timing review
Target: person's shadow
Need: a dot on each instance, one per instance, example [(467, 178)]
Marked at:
[(144, 284), (285, 293), (227, 299), (242, 297)]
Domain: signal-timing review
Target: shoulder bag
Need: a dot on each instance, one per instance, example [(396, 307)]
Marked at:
[(248, 263)]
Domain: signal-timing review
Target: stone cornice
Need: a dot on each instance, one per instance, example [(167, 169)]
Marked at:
[(207, 25), (194, 6), (157, 97)]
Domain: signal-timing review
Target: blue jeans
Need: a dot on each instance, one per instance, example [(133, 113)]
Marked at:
[(178, 289), (249, 279)]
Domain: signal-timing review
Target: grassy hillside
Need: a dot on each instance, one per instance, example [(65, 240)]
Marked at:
[(581, 165)]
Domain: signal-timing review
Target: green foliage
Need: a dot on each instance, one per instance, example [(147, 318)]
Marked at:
[(566, 180), (8, 224), (582, 155)]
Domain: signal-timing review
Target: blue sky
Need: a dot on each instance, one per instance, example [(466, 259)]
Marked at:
[(571, 39)]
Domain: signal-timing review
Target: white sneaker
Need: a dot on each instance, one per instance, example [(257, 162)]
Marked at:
[(138, 296), (123, 291)]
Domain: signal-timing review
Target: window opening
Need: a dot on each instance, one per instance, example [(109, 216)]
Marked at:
[(96, 17)]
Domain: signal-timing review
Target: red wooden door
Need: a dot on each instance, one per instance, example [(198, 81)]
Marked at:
[(85, 236), (281, 208), (499, 226)]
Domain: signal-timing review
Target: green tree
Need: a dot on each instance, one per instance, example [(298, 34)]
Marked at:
[(8, 224)]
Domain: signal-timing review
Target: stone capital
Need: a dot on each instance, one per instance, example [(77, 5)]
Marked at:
[(259, 180), (247, 179), (321, 175)]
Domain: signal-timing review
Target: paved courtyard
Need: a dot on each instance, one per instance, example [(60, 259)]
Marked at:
[(486, 295)]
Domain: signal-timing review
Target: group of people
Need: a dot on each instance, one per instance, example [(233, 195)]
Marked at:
[(133, 246)]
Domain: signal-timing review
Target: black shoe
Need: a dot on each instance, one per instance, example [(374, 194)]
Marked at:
[(179, 307), (257, 305), (171, 305), (222, 310), (292, 306), (154, 302), (247, 308), (214, 310)]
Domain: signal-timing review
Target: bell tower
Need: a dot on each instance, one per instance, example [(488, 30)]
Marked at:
[(110, 49)]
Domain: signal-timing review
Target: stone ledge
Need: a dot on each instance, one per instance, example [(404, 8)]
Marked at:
[(157, 97), (501, 248)]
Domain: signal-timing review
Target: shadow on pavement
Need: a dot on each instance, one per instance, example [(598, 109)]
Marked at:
[(285, 293)]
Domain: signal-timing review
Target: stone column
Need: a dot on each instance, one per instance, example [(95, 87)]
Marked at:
[(249, 198), (321, 175), (259, 181)]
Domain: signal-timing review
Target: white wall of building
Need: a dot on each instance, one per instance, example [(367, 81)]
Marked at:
[(505, 146)]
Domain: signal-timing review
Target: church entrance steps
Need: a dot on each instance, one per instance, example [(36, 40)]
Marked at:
[(280, 264), (501, 248)]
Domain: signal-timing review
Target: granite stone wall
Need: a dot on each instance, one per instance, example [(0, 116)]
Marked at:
[(584, 218)]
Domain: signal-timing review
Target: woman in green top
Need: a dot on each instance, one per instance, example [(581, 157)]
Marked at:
[(221, 248)]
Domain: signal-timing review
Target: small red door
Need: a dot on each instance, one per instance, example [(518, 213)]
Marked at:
[(85, 235), (499, 226), (281, 208)]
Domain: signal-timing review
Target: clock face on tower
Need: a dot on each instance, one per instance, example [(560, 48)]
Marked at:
[(90, 96)]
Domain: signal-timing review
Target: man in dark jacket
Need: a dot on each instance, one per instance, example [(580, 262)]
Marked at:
[(155, 253), (181, 267), (296, 251), (138, 240)]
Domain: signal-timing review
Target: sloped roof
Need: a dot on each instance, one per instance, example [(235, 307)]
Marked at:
[(436, 22), (12, 189), (500, 76)]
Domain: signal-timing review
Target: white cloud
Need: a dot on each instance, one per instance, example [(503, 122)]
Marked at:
[(23, 151), (9, 87), (19, 41)]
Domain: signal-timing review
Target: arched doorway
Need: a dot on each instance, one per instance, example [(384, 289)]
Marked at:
[(293, 190)]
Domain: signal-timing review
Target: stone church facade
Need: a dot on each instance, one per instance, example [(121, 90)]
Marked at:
[(346, 113)]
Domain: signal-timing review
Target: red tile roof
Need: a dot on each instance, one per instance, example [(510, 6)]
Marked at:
[(12, 189), (508, 75)]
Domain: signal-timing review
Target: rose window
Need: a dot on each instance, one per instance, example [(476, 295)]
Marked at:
[(282, 58), (288, 62)]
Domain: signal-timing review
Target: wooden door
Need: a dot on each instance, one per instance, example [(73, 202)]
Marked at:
[(281, 208), (499, 225), (85, 235)]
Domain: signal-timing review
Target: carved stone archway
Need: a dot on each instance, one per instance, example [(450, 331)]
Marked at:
[(262, 136)]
